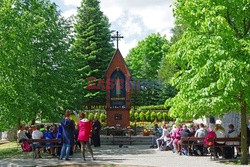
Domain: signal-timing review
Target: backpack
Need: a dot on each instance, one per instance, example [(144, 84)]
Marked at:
[(210, 135), (25, 146)]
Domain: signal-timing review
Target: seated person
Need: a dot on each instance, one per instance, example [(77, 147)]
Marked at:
[(201, 132), (156, 134), (220, 133), (49, 135), (164, 136), (184, 133), (21, 136), (37, 134), (176, 137)]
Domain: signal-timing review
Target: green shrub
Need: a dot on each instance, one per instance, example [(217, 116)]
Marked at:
[(90, 116), (142, 116), (156, 107), (97, 115), (136, 115), (132, 116), (165, 116), (159, 116), (147, 116), (152, 116), (103, 117)]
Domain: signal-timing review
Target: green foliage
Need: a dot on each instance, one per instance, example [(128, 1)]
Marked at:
[(103, 117), (152, 116), (213, 57), (91, 116), (147, 116), (92, 51), (132, 116), (210, 64), (136, 116), (97, 115), (165, 116), (153, 107), (159, 116), (34, 51), (142, 116), (144, 62)]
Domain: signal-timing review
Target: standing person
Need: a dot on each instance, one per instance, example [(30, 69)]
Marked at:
[(84, 127), (68, 129), (96, 128)]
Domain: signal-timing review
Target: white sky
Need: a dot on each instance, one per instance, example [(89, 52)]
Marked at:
[(134, 19)]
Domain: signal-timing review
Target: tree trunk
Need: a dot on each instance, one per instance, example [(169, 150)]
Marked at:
[(244, 148)]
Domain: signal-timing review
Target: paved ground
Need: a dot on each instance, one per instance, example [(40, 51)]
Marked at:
[(140, 155)]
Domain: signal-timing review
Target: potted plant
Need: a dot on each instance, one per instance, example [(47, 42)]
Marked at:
[(146, 132)]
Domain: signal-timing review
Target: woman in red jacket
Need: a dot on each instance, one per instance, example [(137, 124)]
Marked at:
[(84, 127)]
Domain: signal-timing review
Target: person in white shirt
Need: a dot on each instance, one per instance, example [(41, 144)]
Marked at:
[(37, 134), (21, 136), (220, 133), (164, 136)]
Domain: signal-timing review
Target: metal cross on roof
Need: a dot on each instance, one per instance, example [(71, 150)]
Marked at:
[(117, 37)]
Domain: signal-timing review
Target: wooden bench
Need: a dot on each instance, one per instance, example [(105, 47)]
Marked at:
[(122, 140), (191, 141), (56, 143), (236, 142)]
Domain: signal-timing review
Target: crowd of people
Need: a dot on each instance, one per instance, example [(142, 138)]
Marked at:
[(71, 134), (169, 137)]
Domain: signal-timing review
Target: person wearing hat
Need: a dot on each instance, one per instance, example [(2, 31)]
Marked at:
[(220, 133)]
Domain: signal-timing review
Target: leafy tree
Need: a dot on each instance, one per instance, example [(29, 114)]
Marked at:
[(34, 44), (213, 56), (177, 32), (144, 62), (92, 52), (145, 58)]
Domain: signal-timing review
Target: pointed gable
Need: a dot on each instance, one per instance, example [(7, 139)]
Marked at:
[(117, 61)]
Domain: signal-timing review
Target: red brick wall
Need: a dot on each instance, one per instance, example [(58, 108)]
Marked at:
[(118, 62), (124, 123)]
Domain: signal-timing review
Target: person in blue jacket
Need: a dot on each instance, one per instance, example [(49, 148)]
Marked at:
[(49, 135), (68, 128)]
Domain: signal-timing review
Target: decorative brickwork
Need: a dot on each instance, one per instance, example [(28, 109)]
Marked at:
[(118, 107)]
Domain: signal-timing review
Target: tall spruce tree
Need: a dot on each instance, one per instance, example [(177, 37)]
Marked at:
[(93, 49)]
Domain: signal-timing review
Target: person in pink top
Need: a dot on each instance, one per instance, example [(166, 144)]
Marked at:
[(84, 126), (177, 137)]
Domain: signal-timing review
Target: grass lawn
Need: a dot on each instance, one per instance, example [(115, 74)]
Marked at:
[(9, 149)]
